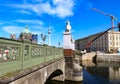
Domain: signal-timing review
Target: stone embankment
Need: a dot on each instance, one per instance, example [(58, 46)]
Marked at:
[(88, 56), (108, 57)]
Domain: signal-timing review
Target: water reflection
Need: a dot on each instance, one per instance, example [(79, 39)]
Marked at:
[(100, 73), (114, 73), (103, 73)]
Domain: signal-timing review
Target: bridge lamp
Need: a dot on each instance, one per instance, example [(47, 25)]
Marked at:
[(49, 37)]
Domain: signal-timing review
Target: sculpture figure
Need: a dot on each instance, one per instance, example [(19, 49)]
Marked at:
[(68, 27)]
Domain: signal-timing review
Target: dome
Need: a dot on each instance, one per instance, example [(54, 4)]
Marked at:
[(26, 30)]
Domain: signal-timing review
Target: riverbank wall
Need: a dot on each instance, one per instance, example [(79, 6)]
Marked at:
[(108, 57)]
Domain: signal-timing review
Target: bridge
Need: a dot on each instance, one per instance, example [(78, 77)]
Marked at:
[(27, 63), (22, 62)]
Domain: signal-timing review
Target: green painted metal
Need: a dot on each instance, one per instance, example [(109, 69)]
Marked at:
[(16, 55)]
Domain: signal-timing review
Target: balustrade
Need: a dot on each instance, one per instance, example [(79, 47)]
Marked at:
[(16, 55)]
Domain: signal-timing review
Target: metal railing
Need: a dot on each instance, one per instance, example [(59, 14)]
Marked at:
[(16, 55)]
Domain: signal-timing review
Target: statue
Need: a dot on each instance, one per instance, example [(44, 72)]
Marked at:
[(68, 27), (13, 36)]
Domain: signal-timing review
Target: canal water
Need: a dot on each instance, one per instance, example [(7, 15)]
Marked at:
[(99, 73)]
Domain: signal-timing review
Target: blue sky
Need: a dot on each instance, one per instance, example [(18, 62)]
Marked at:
[(40, 14)]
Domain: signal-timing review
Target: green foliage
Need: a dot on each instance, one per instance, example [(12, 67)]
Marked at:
[(78, 53), (54, 47), (45, 45)]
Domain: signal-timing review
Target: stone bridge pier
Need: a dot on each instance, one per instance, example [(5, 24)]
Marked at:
[(73, 70), (55, 69)]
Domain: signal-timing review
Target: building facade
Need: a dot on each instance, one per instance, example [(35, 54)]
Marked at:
[(107, 42), (25, 35)]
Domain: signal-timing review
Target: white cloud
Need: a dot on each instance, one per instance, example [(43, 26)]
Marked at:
[(60, 8), (24, 12), (13, 29), (31, 21), (17, 30), (36, 32), (35, 25), (37, 1)]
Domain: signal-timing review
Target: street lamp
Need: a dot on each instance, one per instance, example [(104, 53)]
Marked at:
[(59, 44), (49, 37)]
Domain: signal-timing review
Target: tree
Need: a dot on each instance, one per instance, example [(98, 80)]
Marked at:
[(43, 38)]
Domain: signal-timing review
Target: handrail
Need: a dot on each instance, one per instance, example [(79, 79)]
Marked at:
[(16, 55)]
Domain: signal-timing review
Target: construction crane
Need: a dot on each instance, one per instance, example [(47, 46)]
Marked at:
[(90, 42), (112, 27), (111, 16)]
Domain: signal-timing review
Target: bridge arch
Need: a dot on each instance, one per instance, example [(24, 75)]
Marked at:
[(56, 73), (56, 68)]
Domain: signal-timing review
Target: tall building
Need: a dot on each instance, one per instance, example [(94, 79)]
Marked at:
[(107, 42), (34, 38)]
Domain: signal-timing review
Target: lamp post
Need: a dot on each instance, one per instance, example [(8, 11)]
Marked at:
[(59, 44), (49, 37)]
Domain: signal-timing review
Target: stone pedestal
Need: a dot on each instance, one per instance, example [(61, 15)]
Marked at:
[(73, 70), (69, 62), (68, 42), (68, 52)]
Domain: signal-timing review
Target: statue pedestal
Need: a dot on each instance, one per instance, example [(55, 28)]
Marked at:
[(73, 70), (67, 40), (68, 45)]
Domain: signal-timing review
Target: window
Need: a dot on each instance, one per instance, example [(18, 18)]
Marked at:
[(110, 43), (110, 38), (116, 38), (116, 43), (105, 38)]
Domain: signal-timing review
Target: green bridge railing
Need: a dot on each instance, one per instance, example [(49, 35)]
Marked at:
[(16, 55)]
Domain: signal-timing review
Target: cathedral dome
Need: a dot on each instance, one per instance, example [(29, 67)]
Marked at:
[(26, 30)]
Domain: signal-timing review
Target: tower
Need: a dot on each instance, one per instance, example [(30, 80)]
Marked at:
[(49, 37)]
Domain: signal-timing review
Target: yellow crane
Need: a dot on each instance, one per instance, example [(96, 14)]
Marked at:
[(112, 24)]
